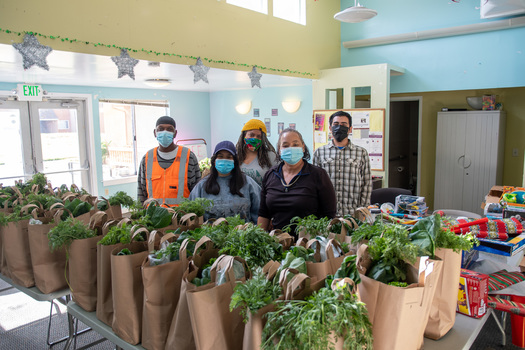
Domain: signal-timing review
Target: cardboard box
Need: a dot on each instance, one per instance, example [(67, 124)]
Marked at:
[(493, 196), (510, 247), (473, 293)]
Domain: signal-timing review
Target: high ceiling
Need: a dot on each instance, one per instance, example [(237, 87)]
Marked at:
[(68, 68)]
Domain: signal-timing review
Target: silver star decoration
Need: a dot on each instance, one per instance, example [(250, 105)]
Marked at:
[(125, 64), (33, 52), (200, 71), (255, 77)]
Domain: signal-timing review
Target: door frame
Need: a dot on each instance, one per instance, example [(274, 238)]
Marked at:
[(418, 99), (88, 125)]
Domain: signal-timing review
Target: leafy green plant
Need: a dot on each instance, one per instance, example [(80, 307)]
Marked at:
[(310, 224), (348, 269), (125, 251), (389, 253), (45, 200), (337, 227), (254, 294), (76, 207), (159, 216), (119, 198), (428, 234), (15, 216), (366, 231), (66, 232), (310, 324), (118, 234), (198, 206), (253, 244)]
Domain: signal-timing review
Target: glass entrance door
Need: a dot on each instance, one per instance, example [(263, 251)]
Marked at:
[(52, 141)]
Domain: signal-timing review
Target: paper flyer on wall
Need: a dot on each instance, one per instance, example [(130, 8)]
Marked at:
[(319, 121), (319, 137), (360, 120)]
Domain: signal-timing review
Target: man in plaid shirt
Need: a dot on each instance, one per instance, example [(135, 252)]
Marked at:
[(347, 165)]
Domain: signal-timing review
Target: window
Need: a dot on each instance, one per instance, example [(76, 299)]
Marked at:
[(290, 10), (44, 137), (254, 5), (126, 134)]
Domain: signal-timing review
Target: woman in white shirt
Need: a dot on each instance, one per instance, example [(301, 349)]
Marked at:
[(256, 154)]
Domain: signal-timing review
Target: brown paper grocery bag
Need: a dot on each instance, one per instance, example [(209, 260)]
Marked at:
[(3, 263), (113, 211), (49, 267), (320, 269), (252, 338), (17, 254), (162, 285), (285, 239), (443, 309), (104, 308), (399, 315), (83, 272), (214, 326), (128, 291), (180, 335), (343, 236), (190, 221)]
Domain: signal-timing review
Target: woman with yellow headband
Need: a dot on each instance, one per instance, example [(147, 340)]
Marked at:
[(256, 154)]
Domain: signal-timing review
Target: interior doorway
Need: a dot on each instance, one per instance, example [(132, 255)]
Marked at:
[(404, 145)]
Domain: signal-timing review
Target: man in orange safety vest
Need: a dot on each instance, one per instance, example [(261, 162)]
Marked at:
[(168, 172)]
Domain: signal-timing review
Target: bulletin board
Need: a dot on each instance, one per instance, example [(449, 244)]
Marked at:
[(368, 131)]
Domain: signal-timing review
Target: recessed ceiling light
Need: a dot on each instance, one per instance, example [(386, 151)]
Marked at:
[(159, 82)]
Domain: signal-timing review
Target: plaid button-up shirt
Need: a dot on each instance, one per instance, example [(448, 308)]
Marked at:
[(349, 170)]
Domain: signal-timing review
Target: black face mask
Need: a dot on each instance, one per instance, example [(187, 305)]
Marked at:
[(340, 132)]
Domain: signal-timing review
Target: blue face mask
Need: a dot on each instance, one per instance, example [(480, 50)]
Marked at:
[(292, 155), (224, 166), (165, 138)]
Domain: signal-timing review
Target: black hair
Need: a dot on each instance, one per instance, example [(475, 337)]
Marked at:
[(341, 114), (262, 152), (306, 155), (237, 180)]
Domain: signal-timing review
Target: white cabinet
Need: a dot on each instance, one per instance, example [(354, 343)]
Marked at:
[(469, 158)]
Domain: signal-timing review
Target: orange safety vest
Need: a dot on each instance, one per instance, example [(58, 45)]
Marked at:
[(168, 186)]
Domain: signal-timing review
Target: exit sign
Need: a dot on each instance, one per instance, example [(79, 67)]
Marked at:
[(28, 92)]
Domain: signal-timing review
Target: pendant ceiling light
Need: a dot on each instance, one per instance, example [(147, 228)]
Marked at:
[(355, 14)]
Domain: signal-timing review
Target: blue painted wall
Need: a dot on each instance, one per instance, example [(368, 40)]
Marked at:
[(191, 111), (226, 123), (475, 61), (198, 113)]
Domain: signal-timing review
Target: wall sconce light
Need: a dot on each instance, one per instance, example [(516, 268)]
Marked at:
[(244, 107), (291, 106)]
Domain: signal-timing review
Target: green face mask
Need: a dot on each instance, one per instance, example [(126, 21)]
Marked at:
[(253, 143)]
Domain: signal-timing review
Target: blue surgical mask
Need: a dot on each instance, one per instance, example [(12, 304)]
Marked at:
[(165, 138), (224, 166), (292, 155)]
